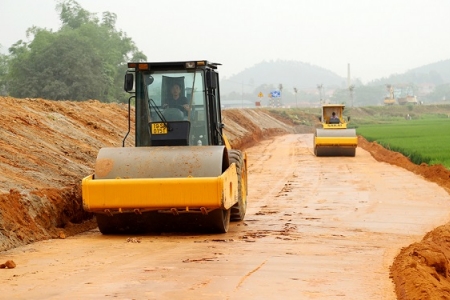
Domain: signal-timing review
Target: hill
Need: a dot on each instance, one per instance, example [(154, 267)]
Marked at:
[(306, 76), (437, 73), (431, 83), (289, 73)]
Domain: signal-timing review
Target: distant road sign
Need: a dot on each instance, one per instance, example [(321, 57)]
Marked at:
[(275, 94), (260, 95)]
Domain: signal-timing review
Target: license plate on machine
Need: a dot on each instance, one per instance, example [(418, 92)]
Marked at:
[(159, 128)]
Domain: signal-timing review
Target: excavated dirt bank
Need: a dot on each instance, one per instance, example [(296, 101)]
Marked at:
[(420, 270), (46, 147)]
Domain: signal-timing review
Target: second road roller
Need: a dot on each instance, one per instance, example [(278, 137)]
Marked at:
[(334, 138)]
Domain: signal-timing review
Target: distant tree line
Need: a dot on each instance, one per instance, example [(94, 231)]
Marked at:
[(85, 59)]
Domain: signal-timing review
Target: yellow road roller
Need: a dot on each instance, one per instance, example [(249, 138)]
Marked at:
[(181, 173), (334, 138)]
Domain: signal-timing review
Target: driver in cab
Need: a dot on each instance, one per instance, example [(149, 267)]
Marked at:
[(334, 119), (177, 100)]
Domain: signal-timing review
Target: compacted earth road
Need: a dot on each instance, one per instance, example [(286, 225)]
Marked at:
[(316, 228)]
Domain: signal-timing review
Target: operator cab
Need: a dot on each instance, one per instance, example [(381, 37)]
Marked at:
[(177, 104), (333, 114)]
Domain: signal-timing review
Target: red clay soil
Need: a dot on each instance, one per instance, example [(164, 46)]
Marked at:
[(420, 270), (47, 147)]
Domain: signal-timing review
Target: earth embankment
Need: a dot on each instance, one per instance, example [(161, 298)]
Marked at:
[(47, 147)]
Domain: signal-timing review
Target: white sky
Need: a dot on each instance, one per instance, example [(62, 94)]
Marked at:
[(376, 37)]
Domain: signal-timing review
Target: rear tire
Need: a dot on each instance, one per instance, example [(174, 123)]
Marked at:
[(314, 142), (239, 209), (220, 220), (352, 153), (107, 224), (126, 223)]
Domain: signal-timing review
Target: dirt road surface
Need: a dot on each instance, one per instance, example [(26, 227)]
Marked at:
[(316, 228)]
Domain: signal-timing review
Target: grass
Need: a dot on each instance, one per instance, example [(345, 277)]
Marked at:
[(424, 140)]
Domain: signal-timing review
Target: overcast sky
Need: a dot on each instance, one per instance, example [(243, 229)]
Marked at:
[(377, 38)]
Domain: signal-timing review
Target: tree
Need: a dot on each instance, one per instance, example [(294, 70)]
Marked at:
[(440, 94), (3, 73), (73, 15), (85, 59), (295, 92), (340, 96)]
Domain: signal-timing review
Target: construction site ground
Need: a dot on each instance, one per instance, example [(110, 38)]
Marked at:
[(369, 227)]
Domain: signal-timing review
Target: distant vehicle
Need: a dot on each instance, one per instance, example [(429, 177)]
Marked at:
[(334, 138), (389, 99), (407, 97)]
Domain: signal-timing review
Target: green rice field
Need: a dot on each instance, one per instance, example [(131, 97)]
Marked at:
[(424, 140)]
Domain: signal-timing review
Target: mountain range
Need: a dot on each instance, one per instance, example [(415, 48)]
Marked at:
[(304, 76)]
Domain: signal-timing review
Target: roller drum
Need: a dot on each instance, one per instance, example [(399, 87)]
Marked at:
[(335, 132), (160, 162), (335, 142)]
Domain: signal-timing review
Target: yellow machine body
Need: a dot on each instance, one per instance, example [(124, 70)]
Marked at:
[(160, 178)]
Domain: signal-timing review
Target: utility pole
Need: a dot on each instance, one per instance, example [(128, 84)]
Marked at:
[(350, 89), (295, 91), (350, 86), (320, 87), (280, 86)]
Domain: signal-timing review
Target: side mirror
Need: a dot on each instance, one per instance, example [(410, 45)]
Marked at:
[(348, 119), (149, 80), (211, 79), (128, 82)]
